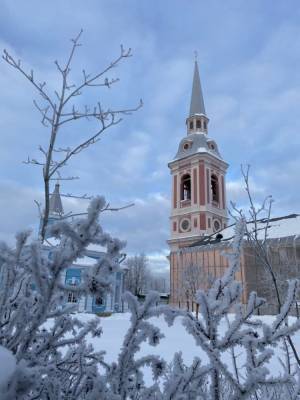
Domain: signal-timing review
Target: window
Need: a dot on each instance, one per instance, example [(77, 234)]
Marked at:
[(185, 187), (186, 146), (198, 124), (215, 188), (191, 125), (73, 278), (72, 298), (204, 125), (99, 301)]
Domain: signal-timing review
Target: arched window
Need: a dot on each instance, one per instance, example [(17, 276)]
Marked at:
[(191, 125), (198, 124), (215, 188), (185, 187)]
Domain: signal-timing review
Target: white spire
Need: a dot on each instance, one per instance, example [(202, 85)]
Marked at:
[(197, 102), (55, 206)]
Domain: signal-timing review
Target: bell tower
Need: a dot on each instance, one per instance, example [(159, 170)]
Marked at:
[(198, 179)]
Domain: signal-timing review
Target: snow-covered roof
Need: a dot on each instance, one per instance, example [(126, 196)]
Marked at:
[(197, 143), (281, 228)]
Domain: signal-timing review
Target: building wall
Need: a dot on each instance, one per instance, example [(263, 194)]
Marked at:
[(211, 261), (284, 258), (283, 255), (200, 210), (111, 302)]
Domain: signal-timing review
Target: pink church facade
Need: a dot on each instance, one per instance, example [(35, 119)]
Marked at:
[(198, 174), (199, 213)]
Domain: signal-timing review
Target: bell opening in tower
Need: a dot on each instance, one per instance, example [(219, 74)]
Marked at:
[(215, 189), (185, 187)]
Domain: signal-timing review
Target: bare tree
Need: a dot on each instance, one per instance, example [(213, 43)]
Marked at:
[(58, 110), (286, 265), (257, 232), (158, 282), (193, 278), (136, 275)]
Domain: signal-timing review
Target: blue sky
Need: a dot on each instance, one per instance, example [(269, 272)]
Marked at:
[(249, 59)]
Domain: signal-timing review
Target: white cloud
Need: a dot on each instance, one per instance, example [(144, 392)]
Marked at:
[(158, 262), (134, 157), (145, 226), (17, 209), (236, 190), (251, 88)]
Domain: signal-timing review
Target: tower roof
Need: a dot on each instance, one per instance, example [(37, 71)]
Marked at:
[(197, 143), (55, 206), (197, 102)]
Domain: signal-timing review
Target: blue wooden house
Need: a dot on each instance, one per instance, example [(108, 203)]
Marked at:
[(112, 302)]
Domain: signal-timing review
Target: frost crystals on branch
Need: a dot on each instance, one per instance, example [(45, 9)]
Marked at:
[(253, 338), (54, 361)]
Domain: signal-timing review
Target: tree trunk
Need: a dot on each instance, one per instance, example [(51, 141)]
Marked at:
[(215, 385)]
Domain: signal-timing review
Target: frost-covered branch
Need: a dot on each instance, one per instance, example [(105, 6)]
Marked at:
[(126, 377), (59, 109), (249, 336), (49, 345)]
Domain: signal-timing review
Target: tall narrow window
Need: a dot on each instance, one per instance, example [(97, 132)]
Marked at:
[(204, 125), (99, 301), (71, 297), (191, 125), (215, 189), (185, 187), (198, 124)]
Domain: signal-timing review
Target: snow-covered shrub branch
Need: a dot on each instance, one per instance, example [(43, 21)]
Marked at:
[(32, 292), (126, 376), (52, 360), (249, 336)]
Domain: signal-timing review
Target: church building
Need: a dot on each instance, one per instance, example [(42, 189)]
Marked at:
[(199, 235), (198, 174)]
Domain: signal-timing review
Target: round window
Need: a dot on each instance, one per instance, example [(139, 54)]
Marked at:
[(186, 146), (217, 225), (185, 224)]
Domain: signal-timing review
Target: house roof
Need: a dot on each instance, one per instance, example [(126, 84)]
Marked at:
[(281, 228)]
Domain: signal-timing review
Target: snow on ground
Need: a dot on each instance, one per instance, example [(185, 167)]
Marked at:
[(176, 339), (115, 327), (7, 367)]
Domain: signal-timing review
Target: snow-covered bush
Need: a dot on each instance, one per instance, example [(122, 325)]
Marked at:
[(245, 335), (53, 361), (47, 348), (237, 359)]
